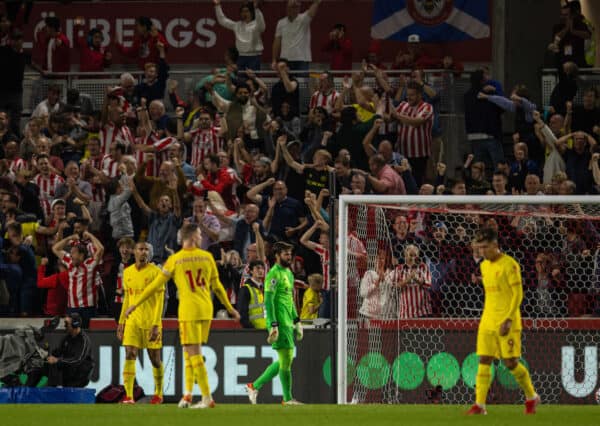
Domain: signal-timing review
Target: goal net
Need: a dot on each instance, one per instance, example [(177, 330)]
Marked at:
[(416, 343)]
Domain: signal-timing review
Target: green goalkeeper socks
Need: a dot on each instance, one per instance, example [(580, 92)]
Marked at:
[(283, 367), (267, 375), (285, 372)]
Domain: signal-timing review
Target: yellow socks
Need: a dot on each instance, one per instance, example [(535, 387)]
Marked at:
[(200, 375), (189, 374), (482, 384), (129, 377), (522, 377), (158, 374)]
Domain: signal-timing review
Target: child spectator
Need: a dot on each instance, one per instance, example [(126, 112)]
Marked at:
[(312, 297)]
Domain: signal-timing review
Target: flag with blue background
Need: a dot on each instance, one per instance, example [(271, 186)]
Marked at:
[(430, 20)]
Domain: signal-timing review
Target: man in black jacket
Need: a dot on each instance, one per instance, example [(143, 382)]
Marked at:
[(71, 364), (13, 60), (483, 123)]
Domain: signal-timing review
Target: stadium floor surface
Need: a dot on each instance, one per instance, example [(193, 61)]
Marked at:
[(330, 415)]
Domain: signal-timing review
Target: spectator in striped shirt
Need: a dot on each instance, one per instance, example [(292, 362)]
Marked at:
[(43, 148), (414, 280), (203, 140), (83, 287), (415, 119), (11, 153), (326, 95)]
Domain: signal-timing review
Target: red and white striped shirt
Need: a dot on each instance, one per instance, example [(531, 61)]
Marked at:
[(415, 141), (415, 300), (17, 165), (83, 284), (47, 187), (111, 133), (323, 253), (161, 147), (320, 99), (110, 166), (204, 143)]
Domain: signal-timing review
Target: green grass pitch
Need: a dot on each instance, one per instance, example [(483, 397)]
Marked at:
[(307, 415)]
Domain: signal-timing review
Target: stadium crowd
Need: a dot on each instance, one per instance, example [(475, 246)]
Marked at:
[(251, 166)]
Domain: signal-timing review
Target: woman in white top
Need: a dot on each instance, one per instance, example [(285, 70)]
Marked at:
[(247, 33)]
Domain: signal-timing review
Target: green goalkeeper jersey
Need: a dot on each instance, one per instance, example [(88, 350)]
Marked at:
[(279, 297)]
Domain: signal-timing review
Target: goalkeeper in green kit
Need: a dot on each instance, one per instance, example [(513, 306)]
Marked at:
[(282, 322)]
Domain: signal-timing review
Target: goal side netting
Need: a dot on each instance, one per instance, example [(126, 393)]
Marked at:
[(410, 296)]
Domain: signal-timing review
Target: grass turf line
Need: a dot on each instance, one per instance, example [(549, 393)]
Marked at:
[(261, 415)]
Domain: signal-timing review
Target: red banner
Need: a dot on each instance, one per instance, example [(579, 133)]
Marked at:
[(195, 37)]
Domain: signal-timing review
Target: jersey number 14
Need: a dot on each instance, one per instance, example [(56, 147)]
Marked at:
[(198, 282)]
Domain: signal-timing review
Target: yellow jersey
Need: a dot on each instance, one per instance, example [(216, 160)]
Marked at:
[(503, 293), (195, 274), (135, 281), (311, 299)]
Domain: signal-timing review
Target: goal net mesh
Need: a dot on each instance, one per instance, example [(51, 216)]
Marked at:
[(416, 343)]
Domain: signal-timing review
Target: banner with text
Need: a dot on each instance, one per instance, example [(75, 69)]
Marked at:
[(563, 365), (195, 37)]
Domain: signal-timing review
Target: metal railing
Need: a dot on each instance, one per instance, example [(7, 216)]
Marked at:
[(588, 77), (449, 87)]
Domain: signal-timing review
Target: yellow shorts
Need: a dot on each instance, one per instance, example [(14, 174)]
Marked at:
[(490, 343), (140, 338), (194, 332)]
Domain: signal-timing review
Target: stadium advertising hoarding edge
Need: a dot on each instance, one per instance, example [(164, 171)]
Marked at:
[(563, 365)]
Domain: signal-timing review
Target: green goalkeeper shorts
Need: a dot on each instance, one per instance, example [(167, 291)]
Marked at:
[(286, 339)]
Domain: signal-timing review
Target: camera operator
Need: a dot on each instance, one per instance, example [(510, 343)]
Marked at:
[(71, 364)]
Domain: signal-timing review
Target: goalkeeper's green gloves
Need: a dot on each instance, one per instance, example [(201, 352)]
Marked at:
[(299, 331)]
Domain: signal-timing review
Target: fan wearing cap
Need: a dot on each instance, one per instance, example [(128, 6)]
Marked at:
[(71, 363)]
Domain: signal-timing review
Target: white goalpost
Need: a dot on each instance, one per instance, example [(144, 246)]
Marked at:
[(409, 296)]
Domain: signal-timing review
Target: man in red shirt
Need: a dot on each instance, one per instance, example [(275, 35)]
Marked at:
[(93, 57), (57, 285), (218, 179), (57, 45), (340, 48), (144, 46)]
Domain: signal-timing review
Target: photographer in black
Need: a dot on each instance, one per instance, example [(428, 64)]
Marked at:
[(71, 364)]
